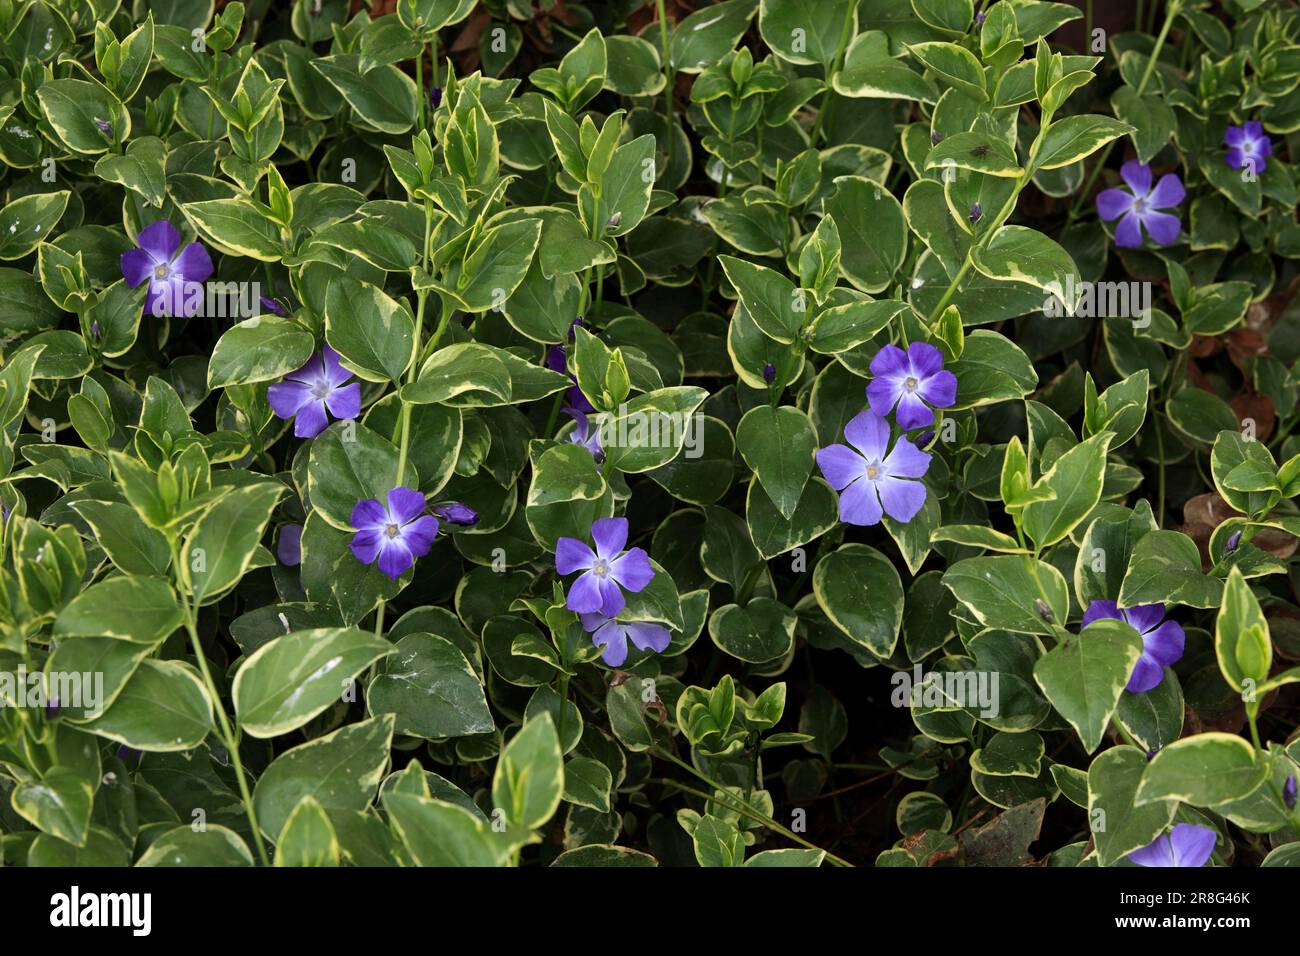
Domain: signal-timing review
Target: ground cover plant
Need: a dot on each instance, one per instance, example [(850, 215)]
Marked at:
[(763, 433)]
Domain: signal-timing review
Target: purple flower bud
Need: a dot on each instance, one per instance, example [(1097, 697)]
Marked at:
[(289, 549), (1043, 610), (129, 754), (435, 96), (455, 512), (95, 330), (104, 126), (769, 373), (555, 359), (272, 305), (52, 708), (976, 213), (979, 18), (927, 436), (1234, 541), (936, 138), (573, 325), (1288, 792)]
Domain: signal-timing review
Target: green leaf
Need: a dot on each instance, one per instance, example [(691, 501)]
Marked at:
[(374, 334), (164, 707), (288, 681), (219, 549), (138, 609), (57, 803), (1076, 137), (1018, 254), (1241, 638), (872, 231), (772, 301), (431, 687), (26, 222), (308, 837), (184, 846), (349, 466), (73, 107), (761, 631), (340, 771), (259, 349), (142, 169), (778, 445), (806, 32), (956, 65), (237, 227), (1003, 592), (1118, 826), (438, 833), (1204, 770), (1076, 478), (1166, 569), (1083, 676), (529, 779), (976, 150), (705, 37), (840, 580)]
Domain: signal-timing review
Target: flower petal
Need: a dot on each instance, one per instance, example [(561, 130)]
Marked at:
[(859, 504), (193, 263), (840, 465), (939, 390), (613, 638), (137, 266), (289, 547), (311, 419), (906, 461), (1147, 674), (584, 594), (610, 536), (285, 398), (1144, 617), (1169, 192), (404, 504), (612, 600), (332, 367), (1138, 177), (160, 240), (1192, 845), (1101, 609), (632, 569), (365, 544), (1162, 227), (1234, 157), (1234, 136), (419, 535), (1128, 235), (592, 621), (395, 558), (925, 359), (1159, 852), (901, 499), (573, 555), (368, 513), (1113, 203), (345, 402), (1165, 644), (869, 434), (912, 412), (890, 360), (649, 637)]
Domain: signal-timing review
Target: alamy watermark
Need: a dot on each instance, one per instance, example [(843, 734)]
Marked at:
[(79, 690), (1100, 300), (973, 690)]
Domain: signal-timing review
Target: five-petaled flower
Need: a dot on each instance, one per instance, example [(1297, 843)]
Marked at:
[(872, 479), (1186, 845), (915, 381), (169, 269), (1248, 147), (1141, 207), (395, 535), (613, 635), (305, 395), (606, 570), (1162, 643)]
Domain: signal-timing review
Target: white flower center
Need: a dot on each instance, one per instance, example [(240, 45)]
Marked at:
[(161, 271), (600, 568), (392, 530), (911, 383), (320, 390), (873, 472)]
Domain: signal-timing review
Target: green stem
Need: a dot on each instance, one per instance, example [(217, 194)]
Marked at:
[(668, 76), (225, 731), (846, 31), (724, 797)]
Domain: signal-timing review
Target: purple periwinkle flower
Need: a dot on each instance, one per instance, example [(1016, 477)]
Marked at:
[(289, 547), (606, 570), (457, 513), (159, 259), (613, 635), (322, 385), (1289, 792), (556, 360), (1140, 207), (871, 479), (1162, 643), (435, 96), (915, 381), (395, 535), (976, 213), (1233, 542), (585, 435), (1248, 147), (1186, 845)]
